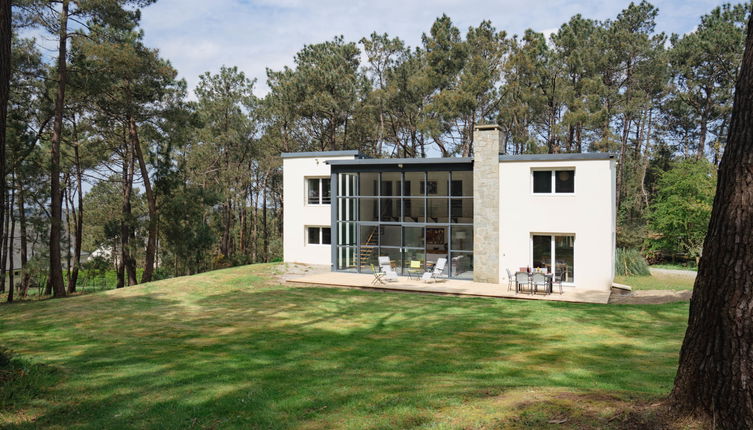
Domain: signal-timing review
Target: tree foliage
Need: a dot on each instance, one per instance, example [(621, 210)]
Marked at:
[(679, 215)]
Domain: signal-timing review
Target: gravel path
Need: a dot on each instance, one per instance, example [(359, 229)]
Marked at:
[(673, 272), (650, 297)]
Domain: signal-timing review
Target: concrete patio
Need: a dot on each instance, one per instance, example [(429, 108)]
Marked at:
[(449, 287)]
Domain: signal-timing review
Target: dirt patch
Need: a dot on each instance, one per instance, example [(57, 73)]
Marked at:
[(569, 410), (690, 274), (650, 297), (287, 271)]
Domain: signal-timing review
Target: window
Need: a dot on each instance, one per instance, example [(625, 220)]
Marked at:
[(413, 217), (319, 235), (319, 191), (542, 181), (561, 181)]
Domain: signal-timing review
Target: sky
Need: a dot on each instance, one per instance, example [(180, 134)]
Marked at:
[(202, 35)]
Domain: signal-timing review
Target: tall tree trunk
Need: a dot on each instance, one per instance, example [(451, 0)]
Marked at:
[(26, 276), (151, 199), (4, 248), (11, 244), (78, 217), (716, 359), (56, 196), (68, 228), (255, 224), (126, 223), (264, 222), (5, 71)]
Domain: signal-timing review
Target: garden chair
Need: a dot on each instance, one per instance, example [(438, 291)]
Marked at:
[(414, 269), (521, 279), (386, 267), (378, 276), (558, 280), (510, 280), (540, 279), (436, 272)]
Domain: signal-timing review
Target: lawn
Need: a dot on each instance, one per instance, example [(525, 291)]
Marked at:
[(233, 349), (657, 281)]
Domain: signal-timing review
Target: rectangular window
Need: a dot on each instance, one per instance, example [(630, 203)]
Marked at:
[(314, 233), (554, 181), (319, 235), (564, 181), (318, 192), (542, 181)]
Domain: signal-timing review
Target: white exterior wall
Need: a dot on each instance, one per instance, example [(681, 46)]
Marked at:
[(298, 214), (589, 214)]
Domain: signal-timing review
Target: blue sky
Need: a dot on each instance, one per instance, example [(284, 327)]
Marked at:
[(201, 35)]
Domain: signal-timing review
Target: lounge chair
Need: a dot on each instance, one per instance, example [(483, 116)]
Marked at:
[(436, 272), (386, 266)]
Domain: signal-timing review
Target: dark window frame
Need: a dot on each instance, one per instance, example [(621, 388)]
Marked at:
[(319, 235), (322, 193), (553, 185)]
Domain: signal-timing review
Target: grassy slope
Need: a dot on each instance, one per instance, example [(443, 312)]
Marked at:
[(228, 349)]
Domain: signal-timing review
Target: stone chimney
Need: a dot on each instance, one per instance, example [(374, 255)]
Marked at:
[(487, 143)]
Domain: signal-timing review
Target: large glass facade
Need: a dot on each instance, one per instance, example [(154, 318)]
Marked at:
[(412, 217)]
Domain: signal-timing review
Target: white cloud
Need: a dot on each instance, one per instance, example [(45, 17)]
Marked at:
[(202, 35)]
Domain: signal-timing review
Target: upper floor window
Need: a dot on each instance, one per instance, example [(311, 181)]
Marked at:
[(554, 181), (318, 191)]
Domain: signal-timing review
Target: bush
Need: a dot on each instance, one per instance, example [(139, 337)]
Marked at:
[(21, 380), (630, 262)]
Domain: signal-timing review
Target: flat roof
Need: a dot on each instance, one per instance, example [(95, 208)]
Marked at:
[(395, 161), (312, 154), (558, 157), (362, 160)]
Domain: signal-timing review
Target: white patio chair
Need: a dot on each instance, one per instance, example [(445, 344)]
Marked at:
[(540, 279), (389, 273), (436, 272), (521, 279), (510, 280)]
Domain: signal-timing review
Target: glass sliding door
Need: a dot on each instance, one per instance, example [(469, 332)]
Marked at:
[(554, 253), (564, 257)]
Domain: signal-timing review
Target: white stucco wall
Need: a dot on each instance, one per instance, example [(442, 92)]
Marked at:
[(298, 214), (589, 214)]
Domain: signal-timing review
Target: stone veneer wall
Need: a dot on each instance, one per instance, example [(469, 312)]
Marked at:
[(487, 141)]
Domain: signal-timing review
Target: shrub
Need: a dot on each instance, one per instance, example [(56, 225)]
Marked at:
[(630, 262), (21, 380)]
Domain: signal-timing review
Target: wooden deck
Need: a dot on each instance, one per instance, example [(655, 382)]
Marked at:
[(451, 287)]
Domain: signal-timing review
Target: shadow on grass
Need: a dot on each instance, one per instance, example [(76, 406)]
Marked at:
[(282, 357)]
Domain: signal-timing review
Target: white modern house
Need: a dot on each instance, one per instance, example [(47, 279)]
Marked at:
[(486, 214)]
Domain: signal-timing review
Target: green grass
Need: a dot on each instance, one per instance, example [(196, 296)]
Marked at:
[(657, 282), (231, 349)]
